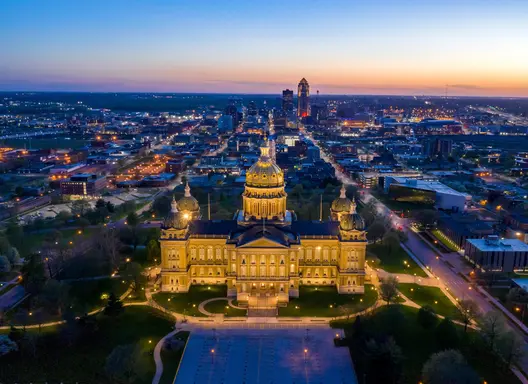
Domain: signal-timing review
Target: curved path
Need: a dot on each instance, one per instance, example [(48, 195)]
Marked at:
[(201, 306), (157, 355)]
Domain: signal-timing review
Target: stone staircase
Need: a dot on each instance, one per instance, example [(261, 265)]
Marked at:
[(262, 312)]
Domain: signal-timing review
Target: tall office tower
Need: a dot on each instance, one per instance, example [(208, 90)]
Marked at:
[(252, 109), (232, 111), (287, 100), (303, 98)]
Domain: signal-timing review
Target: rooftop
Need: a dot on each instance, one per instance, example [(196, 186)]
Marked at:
[(427, 185), (505, 245)]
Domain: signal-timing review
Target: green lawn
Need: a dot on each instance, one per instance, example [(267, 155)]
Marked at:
[(398, 261), (432, 296), (444, 240), (417, 344), (84, 361), (325, 301), (221, 306), (188, 302), (33, 241), (90, 292), (171, 360)]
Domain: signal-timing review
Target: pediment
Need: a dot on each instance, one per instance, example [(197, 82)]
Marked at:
[(263, 242)]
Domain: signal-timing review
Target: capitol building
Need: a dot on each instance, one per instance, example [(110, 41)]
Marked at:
[(264, 253)]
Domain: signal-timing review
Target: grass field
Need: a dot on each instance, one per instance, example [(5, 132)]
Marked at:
[(398, 261), (188, 302), (432, 296), (84, 361), (325, 302)]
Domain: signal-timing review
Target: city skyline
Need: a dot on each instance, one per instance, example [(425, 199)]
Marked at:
[(234, 47)]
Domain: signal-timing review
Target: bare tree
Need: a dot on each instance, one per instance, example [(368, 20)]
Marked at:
[(510, 347), (389, 289), (491, 328), (109, 244), (469, 312)]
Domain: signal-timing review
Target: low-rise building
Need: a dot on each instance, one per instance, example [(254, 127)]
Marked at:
[(492, 253), (83, 184)]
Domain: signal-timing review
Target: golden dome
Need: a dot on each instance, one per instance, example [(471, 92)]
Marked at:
[(187, 202), (264, 173), (343, 204), (175, 219), (352, 221)]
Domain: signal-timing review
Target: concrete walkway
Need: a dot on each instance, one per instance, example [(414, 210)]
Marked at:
[(201, 306), (157, 352)]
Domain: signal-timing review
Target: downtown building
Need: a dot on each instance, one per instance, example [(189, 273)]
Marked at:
[(303, 98)]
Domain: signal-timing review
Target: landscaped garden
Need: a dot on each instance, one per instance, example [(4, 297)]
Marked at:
[(439, 235), (187, 303), (78, 352), (324, 301), (408, 345), (392, 261), (431, 296), (222, 306)]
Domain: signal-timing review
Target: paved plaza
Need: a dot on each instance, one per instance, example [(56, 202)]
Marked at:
[(268, 356)]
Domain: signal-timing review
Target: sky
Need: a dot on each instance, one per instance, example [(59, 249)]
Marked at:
[(403, 47)]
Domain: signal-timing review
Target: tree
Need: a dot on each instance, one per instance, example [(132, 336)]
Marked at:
[(426, 216), (7, 345), (376, 230), (83, 223), (426, 317), (109, 244), (63, 217), (446, 335), (469, 311), (387, 354), (134, 273), (161, 206), (391, 241), (5, 265), (389, 289), (125, 364), (100, 203), (80, 207), (133, 221), (153, 250), (4, 245), (448, 367), (15, 234), (14, 256), (510, 346), (54, 296), (492, 327), (114, 306), (34, 275), (518, 296)]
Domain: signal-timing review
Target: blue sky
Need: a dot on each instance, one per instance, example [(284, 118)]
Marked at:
[(380, 46)]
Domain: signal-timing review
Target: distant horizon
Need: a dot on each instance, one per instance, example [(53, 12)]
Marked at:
[(278, 95)]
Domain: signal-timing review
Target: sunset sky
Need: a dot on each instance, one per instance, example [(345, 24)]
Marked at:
[(341, 47)]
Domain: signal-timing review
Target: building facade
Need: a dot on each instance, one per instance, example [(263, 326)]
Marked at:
[(303, 98), (263, 254), (494, 254), (83, 185), (287, 100)]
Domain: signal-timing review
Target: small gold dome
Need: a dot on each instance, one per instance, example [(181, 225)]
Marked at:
[(188, 202), (175, 219), (265, 173), (352, 221), (343, 204)]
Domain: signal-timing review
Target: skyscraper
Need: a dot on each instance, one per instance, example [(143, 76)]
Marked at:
[(287, 100), (303, 98)]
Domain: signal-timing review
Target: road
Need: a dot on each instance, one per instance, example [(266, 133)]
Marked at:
[(448, 276)]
